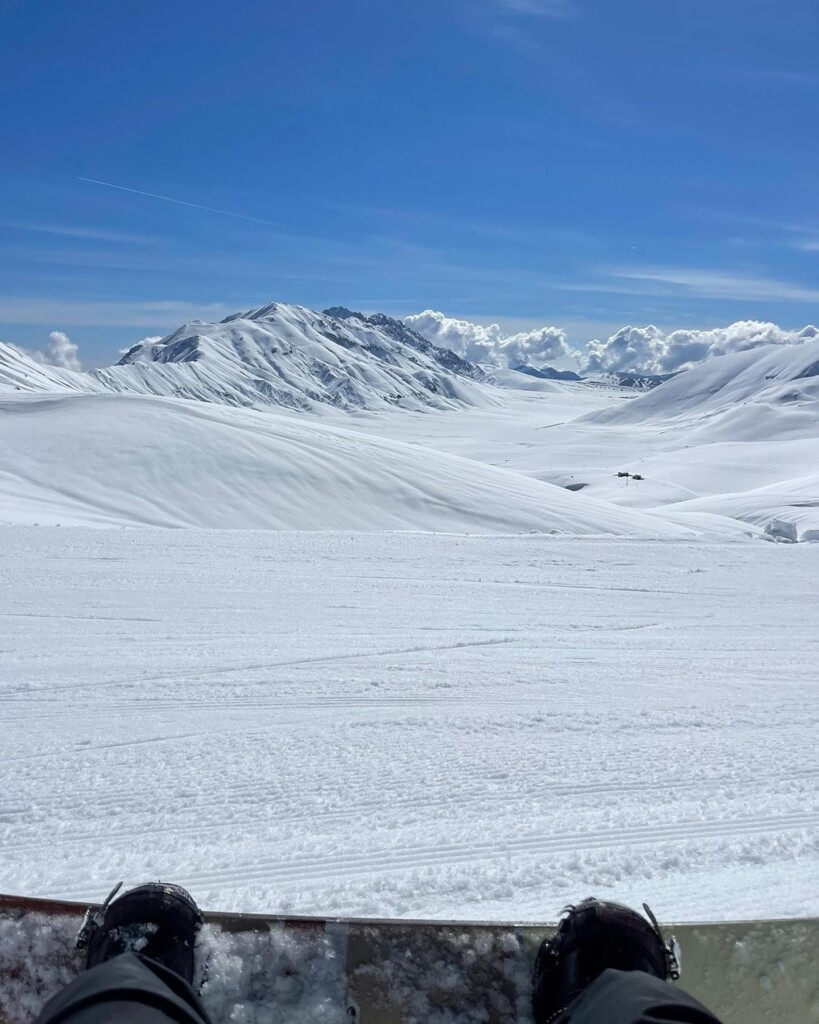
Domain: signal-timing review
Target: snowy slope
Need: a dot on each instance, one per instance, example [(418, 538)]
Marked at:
[(290, 356), (119, 460), (19, 372), (770, 375), (741, 436), (794, 501), (736, 437)]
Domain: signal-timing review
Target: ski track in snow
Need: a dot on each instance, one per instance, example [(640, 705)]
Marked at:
[(409, 724)]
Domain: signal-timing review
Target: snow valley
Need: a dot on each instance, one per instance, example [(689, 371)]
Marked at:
[(435, 638), (258, 422)]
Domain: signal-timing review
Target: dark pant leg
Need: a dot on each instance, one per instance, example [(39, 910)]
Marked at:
[(633, 997), (128, 989)]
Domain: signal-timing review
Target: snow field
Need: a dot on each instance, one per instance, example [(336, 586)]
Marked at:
[(410, 725), (444, 724), (113, 460), (750, 462), (723, 449)]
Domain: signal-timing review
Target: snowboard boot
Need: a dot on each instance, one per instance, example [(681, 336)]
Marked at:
[(157, 920), (590, 938)]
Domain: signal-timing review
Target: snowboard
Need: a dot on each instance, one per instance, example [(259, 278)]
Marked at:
[(267, 969)]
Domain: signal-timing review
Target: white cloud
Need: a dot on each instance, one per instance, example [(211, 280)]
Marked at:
[(152, 339), (639, 349), (488, 343), (61, 351), (650, 350), (630, 348)]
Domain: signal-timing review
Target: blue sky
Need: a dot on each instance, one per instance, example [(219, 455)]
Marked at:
[(583, 163)]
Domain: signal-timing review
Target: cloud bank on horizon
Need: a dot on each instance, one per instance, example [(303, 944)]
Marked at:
[(638, 349)]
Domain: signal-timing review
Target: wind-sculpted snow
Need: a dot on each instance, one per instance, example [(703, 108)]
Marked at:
[(721, 449), (737, 437), (112, 460), (774, 374)]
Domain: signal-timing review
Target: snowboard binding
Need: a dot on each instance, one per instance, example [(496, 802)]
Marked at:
[(157, 920), (592, 937)]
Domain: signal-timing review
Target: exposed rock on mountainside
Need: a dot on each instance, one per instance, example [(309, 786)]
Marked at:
[(277, 355), (294, 357)]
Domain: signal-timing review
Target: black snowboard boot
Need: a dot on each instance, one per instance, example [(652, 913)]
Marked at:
[(157, 920), (592, 937)]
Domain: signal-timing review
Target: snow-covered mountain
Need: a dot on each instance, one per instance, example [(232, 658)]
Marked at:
[(773, 375), (546, 372), (634, 380), (293, 357), (19, 372), (731, 443), (278, 355)]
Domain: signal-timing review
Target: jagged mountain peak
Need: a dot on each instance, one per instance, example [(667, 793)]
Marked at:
[(398, 331), (282, 354)]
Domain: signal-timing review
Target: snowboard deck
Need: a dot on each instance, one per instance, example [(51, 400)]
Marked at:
[(267, 969)]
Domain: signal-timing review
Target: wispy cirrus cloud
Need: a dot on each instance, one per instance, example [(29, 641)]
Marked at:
[(424, 220), (791, 233), (716, 284), (562, 10), (514, 21), (535, 28), (79, 231), (696, 282), (162, 314), (763, 75)]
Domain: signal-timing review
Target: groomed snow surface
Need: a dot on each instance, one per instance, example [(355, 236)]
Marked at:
[(409, 724)]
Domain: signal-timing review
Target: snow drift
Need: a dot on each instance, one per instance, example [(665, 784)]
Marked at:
[(115, 460)]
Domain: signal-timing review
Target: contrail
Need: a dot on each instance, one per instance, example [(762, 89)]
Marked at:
[(180, 202)]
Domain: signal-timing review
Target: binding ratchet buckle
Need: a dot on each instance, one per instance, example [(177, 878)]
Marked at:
[(671, 948), (93, 919)]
